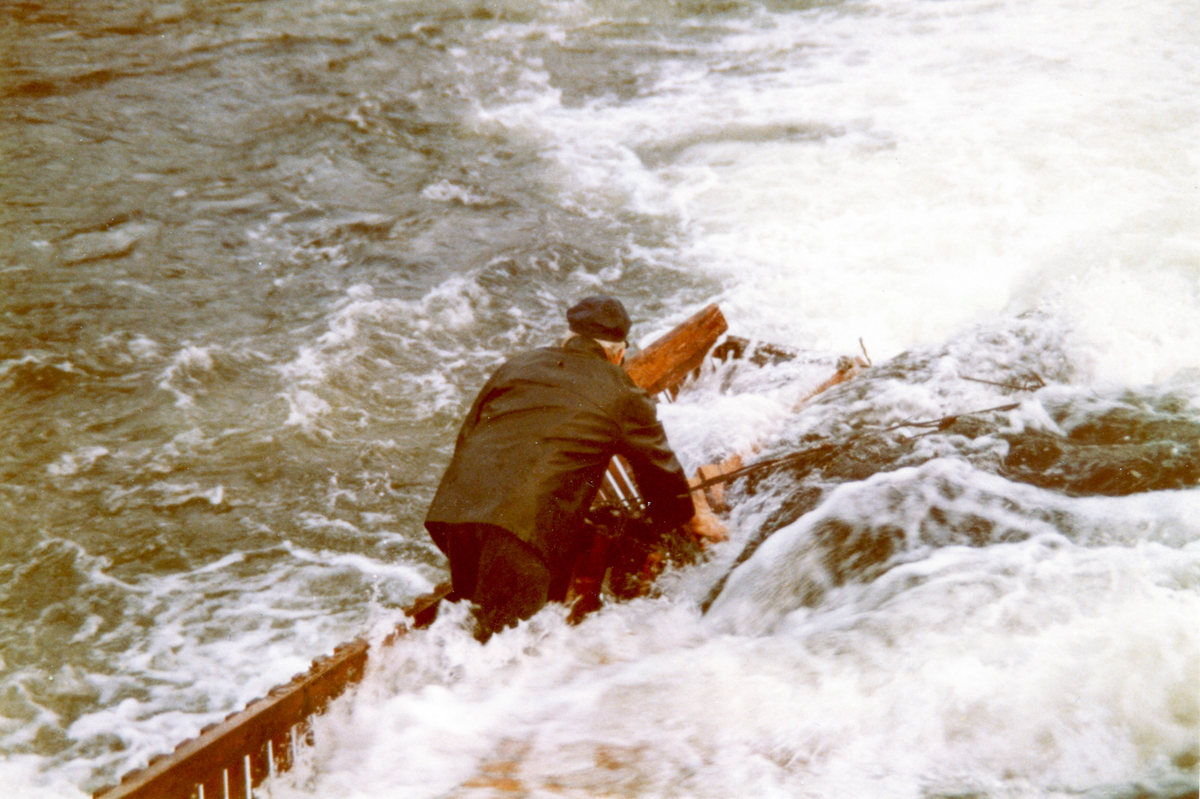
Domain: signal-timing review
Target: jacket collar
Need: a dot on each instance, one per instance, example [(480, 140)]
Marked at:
[(583, 344)]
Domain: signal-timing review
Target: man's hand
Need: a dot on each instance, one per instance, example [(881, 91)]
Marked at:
[(706, 528)]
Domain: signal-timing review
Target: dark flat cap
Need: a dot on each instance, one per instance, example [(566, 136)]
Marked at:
[(599, 317)]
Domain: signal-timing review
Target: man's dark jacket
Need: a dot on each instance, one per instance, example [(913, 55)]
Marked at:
[(533, 450)]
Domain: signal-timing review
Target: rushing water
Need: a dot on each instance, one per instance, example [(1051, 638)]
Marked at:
[(258, 256)]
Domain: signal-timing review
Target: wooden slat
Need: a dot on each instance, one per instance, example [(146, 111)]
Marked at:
[(202, 760), (224, 747), (666, 363), (619, 487), (715, 495)]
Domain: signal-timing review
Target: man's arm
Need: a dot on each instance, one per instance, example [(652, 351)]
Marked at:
[(660, 478), (705, 527)]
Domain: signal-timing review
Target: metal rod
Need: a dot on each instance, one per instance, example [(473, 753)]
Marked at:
[(249, 787), (270, 759), (225, 778)]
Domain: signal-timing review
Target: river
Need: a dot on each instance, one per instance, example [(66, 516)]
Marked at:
[(257, 256)]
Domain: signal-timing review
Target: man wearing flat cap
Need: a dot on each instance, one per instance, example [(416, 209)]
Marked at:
[(530, 458)]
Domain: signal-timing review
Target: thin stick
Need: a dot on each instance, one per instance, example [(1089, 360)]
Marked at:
[(945, 420), (1035, 382), (793, 457)]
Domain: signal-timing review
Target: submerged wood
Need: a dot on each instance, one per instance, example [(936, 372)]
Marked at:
[(250, 745), (220, 756)]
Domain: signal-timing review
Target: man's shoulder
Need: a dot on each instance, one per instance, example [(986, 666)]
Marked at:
[(534, 358), (581, 369)]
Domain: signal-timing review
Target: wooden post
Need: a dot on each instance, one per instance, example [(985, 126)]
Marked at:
[(666, 363)]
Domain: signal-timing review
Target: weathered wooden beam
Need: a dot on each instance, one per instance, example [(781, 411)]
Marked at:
[(219, 754), (666, 363), (757, 352)]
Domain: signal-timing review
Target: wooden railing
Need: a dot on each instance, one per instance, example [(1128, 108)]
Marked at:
[(227, 760)]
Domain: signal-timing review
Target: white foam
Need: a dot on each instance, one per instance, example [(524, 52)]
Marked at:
[(79, 461), (447, 192), (897, 169), (384, 346), (223, 635), (25, 776), (1046, 663), (791, 570), (304, 409), (188, 368)]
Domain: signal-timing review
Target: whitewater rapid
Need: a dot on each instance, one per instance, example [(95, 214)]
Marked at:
[(261, 256)]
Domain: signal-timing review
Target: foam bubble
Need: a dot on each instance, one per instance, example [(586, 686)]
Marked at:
[(1132, 326), (25, 776), (74, 462)]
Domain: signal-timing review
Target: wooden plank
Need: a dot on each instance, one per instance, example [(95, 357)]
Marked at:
[(715, 494), (224, 747), (757, 352), (666, 363)]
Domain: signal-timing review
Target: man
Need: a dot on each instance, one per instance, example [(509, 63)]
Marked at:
[(530, 458)]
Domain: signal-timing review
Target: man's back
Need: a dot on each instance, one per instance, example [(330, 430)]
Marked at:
[(533, 449)]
